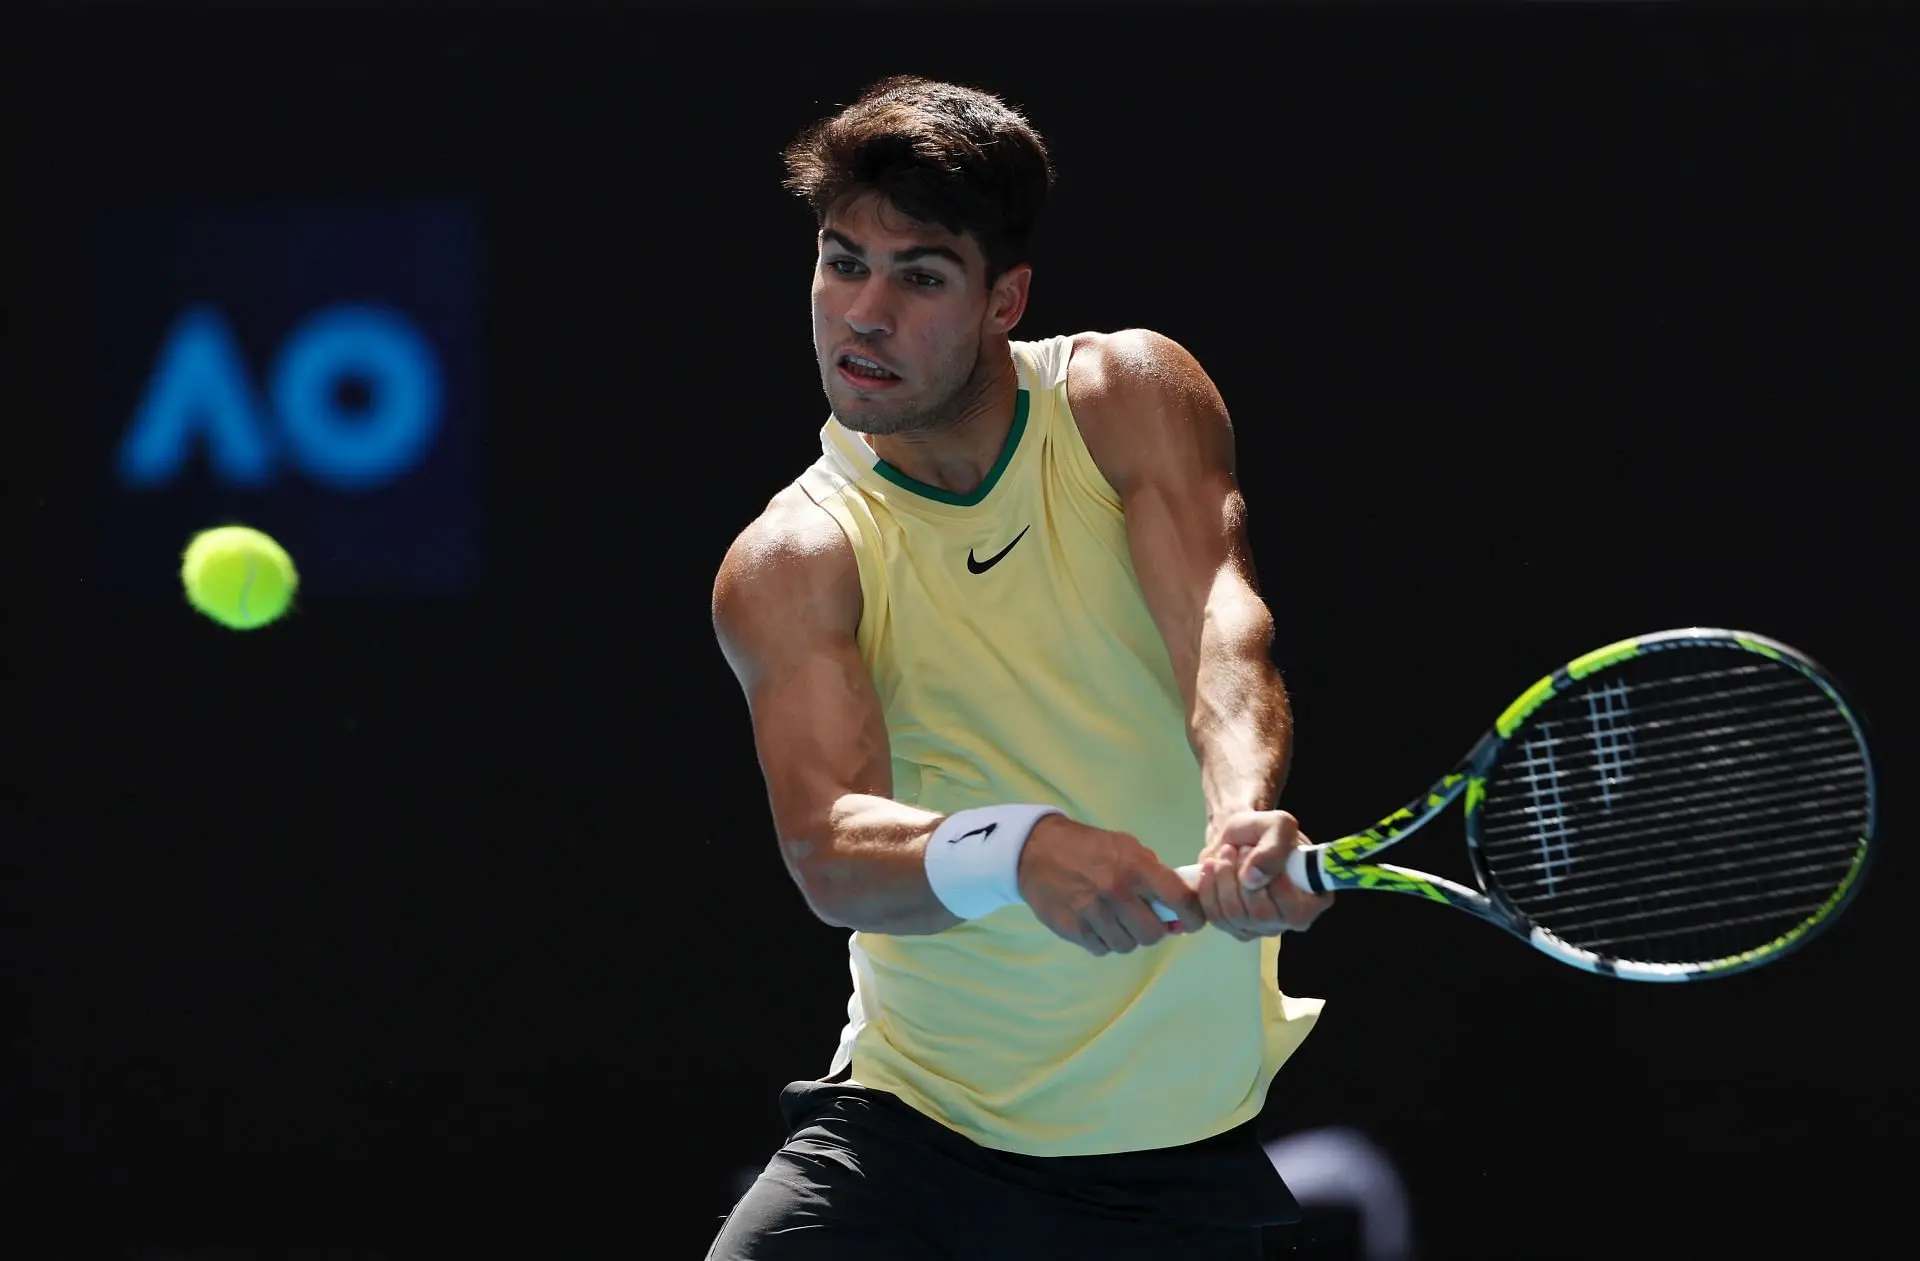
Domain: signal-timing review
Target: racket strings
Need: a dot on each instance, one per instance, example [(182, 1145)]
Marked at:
[(1671, 814), (1515, 836), (1766, 883), (1558, 790), (1656, 869), (1693, 700), (1668, 787), (1758, 911), (1788, 726), (1706, 928), (1695, 850)]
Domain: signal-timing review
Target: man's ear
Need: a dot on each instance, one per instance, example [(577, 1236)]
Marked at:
[(1008, 301)]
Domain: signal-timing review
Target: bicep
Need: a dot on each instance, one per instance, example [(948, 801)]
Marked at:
[(1190, 552), (819, 733), (786, 611), (1169, 452)]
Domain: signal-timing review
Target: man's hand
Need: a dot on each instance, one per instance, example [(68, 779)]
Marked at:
[(1243, 880), (1096, 888)]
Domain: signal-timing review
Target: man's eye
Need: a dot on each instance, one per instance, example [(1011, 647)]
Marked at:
[(843, 266), (925, 280)]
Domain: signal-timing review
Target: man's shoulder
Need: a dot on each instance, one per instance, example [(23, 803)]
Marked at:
[(1103, 363), (791, 529), (1130, 391), (793, 554)]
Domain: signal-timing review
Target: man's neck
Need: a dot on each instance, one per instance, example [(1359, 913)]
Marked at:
[(957, 456)]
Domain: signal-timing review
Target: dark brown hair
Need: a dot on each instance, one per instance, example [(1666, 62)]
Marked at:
[(940, 153)]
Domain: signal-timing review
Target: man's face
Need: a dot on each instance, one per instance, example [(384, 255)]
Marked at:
[(912, 299)]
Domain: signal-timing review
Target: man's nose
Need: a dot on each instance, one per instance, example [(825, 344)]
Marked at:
[(870, 315)]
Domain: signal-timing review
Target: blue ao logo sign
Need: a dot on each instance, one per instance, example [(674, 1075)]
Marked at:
[(352, 401)]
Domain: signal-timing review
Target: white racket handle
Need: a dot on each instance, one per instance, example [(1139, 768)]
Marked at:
[(1189, 873), (1296, 872), (1297, 869)]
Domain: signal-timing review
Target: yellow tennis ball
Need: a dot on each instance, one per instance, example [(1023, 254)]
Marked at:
[(238, 576)]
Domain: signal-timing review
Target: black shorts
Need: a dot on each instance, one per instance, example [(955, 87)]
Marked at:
[(865, 1177)]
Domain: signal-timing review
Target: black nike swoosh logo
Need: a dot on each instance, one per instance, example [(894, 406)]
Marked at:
[(982, 566), (981, 832)]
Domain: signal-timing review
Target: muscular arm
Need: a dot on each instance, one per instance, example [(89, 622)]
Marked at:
[(1159, 431), (786, 605)]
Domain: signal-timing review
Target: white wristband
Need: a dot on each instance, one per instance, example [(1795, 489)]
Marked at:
[(973, 857)]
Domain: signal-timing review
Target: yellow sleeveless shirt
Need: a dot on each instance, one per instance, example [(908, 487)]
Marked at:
[(1039, 677)]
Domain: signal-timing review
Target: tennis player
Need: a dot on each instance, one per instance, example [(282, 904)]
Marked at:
[(1007, 667)]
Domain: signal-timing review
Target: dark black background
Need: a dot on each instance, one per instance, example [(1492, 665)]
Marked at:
[(443, 921)]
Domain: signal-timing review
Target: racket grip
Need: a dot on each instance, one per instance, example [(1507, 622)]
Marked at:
[(1297, 870), (1189, 873)]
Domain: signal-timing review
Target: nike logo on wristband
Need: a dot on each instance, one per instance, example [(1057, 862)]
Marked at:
[(981, 832)]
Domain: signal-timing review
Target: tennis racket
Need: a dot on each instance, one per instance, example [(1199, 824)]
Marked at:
[(1676, 806)]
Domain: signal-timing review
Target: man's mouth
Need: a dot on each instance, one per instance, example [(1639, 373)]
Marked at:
[(865, 371)]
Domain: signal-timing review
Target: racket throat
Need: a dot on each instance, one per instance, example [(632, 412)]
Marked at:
[(1315, 870), (1304, 869)]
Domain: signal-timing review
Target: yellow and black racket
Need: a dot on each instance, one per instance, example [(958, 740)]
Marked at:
[(1675, 806)]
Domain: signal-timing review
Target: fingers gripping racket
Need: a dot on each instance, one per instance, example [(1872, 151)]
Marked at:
[(1676, 806)]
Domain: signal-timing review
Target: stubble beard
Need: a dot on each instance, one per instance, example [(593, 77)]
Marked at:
[(944, 413)]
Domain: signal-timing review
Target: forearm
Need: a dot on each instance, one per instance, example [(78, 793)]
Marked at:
[(864, 867), (1240, 724)]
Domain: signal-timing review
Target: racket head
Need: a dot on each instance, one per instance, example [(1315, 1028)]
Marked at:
[(1677, 806)]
